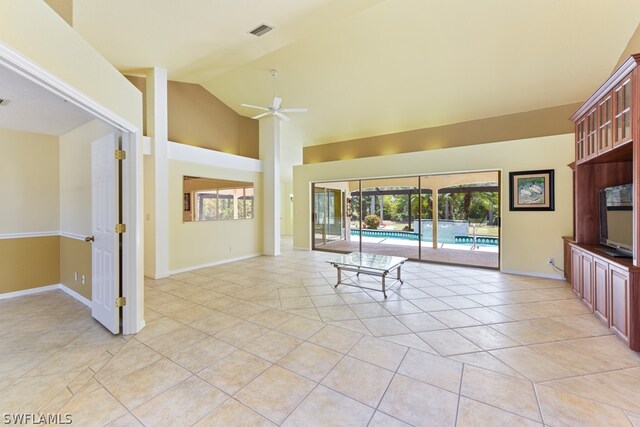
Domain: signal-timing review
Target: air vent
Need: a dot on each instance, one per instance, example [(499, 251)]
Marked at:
[(261, 30), (4, 101)]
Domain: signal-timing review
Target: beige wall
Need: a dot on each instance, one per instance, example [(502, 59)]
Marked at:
[(29, 184), (193, 244), (531, 124), (29, 263), (29, 189), (75, 257), (196, 117), (632, 47), (64, 8), (528, 238), (34, 30)]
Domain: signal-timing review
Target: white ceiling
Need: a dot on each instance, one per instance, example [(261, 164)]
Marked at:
[(369, 67), (32, 108)]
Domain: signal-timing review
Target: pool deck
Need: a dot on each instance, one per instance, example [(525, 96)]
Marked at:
[(485, 256)]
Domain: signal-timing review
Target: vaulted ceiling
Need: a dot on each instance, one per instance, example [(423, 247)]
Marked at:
[(370, 67)]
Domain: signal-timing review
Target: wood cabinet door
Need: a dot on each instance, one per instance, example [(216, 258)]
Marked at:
[(601, 290), (587, 279), (576, 267), (619, 307)]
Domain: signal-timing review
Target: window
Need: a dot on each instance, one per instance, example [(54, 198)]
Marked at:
[(217, 199)]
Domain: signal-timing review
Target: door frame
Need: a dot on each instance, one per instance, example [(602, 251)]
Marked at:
[(132, 184)]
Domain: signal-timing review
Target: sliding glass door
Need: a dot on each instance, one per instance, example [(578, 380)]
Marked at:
[(328, 215), (449, 218)]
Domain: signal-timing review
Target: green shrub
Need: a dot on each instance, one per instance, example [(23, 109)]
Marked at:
[(372, 221)]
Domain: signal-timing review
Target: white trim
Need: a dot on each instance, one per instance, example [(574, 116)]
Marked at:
[(75, 295), (213, 264), (72, 236), (42, 77), (533, 274), (31, 291), (146, 146), (300, 248), (29, 235), (41, 234), (132, 240), (188, 153)]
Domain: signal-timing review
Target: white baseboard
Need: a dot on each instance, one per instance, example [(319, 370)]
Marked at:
[(299, 248), (213, 264), (31, 291), (532, 274), (47, 288), (76, 295)]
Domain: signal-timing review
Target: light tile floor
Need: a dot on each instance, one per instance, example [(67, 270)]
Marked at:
[(270, 341)]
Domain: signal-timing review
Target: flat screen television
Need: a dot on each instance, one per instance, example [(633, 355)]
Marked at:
[(616, 218)]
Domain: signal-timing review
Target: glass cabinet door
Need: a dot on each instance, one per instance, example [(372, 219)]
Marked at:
[(605, 125), (592, 134), (580, 143), (623, 113)]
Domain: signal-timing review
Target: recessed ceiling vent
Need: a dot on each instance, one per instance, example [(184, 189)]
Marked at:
[(4, 101), (261, 30)]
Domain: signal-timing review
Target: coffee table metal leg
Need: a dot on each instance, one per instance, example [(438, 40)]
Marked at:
[(339, 277), (400, 274), (384, 290)]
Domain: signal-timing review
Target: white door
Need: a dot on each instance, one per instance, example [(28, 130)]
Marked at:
[(105, 254)]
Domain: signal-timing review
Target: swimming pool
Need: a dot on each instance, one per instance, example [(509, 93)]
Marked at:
[(410, 235)]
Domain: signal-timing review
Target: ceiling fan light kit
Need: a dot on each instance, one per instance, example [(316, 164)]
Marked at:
[(275, 109)]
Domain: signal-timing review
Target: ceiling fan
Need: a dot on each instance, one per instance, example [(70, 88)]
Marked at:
[(275, 109)]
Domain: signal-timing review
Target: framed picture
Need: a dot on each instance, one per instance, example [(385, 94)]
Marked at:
[(187, 202), (531, 190)]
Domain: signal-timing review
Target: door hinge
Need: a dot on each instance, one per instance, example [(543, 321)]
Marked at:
[(121, 228), (121, 302), (120, 154)]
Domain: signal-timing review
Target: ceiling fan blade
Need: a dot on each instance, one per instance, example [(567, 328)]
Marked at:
[(276, 102), (254, 106), (261, 115), (282, 116), (294, 110)]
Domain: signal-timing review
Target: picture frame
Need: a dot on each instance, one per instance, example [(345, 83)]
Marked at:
[(532, 190), (187, 202)]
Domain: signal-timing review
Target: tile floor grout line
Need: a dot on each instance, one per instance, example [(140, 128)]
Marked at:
[(459, 394), (535, 392)]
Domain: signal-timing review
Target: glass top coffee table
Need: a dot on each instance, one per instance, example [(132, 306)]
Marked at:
[(369, 264)]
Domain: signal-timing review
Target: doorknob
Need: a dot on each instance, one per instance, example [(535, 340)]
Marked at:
[(89, 239)]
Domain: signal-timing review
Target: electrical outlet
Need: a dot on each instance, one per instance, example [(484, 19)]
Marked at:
[(230, 248), (551, 261), (83, 279), (75, 276)]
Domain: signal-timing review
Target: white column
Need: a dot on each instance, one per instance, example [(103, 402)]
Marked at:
[(270, 156), (157, 129)]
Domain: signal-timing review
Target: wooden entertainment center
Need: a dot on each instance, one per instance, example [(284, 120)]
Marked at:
[(607, 154)]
